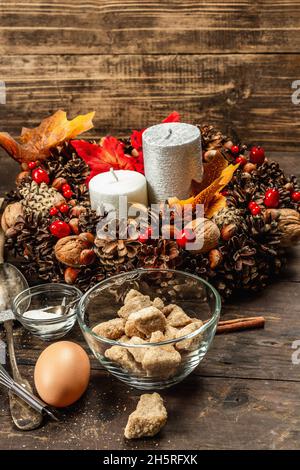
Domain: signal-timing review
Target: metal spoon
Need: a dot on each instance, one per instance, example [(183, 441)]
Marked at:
[(24, 417), (62, 309)]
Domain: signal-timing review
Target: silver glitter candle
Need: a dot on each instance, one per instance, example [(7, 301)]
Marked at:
[(172, 158)]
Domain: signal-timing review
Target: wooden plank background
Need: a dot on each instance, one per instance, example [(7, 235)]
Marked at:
[(229, 63)]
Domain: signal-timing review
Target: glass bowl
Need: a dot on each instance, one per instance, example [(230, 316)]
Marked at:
[(40, 297), (151, 365)]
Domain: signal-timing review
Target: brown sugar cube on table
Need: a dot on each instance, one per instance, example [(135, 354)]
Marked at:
[(148, 418), (144, 322), (111, 329)]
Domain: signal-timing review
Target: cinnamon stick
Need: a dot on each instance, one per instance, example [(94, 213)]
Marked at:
[(238, 324)]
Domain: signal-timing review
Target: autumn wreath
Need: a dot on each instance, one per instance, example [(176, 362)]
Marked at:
[(251, 209)]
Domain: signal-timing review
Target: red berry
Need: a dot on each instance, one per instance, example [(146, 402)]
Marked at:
[(65, 187), (254, 208), (271, 198), (32, 165), (68, 194), (241, 160), (60, 229), (53, 211), (235, 149), (225, 192), (40, 176), (257, 155), (64, 208), (145, 235), (296, 196), (185, 236)]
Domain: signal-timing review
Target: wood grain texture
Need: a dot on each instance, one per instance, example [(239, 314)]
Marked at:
[(214, 413), (149, 27), (247, 96)]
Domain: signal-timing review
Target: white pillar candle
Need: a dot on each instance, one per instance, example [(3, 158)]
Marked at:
[(172, 159), (106, 188)]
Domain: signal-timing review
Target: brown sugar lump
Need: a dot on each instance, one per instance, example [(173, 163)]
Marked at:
[(161, 361), (132, 294), (144, 322), (137, 353), (111, 329), (123, 358), (148, 418), (134, 305), (189, 344), (158, 303), (176, 316), (170, 332)]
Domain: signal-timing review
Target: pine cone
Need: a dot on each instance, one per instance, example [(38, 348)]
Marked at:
[(64, 162), (159, 254), (39, 198), (213, 139), (230, 215)]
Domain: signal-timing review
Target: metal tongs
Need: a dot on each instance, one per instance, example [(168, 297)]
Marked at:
[(29, 398)]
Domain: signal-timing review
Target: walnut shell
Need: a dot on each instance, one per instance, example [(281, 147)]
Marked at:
[(207, 234), (289, 225), (10, 215), (68, 250)]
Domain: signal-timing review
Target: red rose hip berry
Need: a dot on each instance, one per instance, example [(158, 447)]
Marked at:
[(241, 160), (64, 208), (271, 198), (235, 149), (68, 194), (296, 196), (257, 155), (60, 229), (32, 165), (254, 208), (40, 176), (65, 187), (145, 235), (185, 236), (53, 211)]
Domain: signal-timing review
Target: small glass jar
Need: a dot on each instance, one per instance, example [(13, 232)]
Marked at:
[(28, 308)]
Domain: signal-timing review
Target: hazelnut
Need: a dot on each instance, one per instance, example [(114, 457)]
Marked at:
[(77, 210), (74, 225), (209, 154), (228, 231), (21, 176), (134, 153), (215, 258), (249, 167), (87, 257), (58, 183), (71, 275), (87, 237)]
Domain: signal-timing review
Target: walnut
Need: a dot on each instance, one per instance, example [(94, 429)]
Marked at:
[(68, 250), (207, 235), (10, 215)]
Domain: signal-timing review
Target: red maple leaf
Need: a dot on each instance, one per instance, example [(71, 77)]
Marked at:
[(101, 158), (110, 154)]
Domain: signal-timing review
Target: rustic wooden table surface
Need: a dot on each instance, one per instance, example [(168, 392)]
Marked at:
[(244, 395)]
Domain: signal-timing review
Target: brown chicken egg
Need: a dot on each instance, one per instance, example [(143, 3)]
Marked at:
[(62, 373)]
